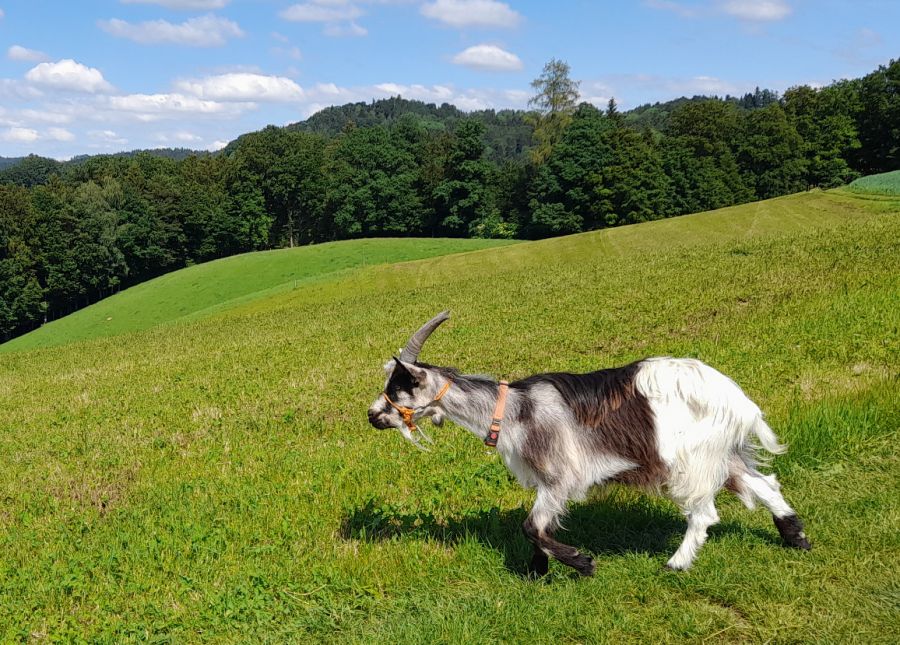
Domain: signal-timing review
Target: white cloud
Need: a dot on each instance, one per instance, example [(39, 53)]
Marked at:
[(349, 29), (45, 116), (202, 31), (243, 87), (678, 8), (861, 49), (180, 137), (5, 120), (70, 75), (338, 16), (60, 134), (17, 52), (293, 53), (218, 144), (2, 14), (488, 57), (472, 13), (747, 10), (107, 136), (150, 107), (321, 11), (11, 88), (19, 135), (633, 89), (192, 5), (758, 10)]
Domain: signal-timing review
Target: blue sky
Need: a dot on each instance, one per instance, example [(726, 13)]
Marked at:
[(105, 75)]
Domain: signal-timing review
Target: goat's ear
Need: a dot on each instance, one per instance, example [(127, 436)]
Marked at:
[(417, 373)]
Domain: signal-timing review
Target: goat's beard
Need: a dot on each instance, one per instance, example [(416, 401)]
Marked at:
[(409, 436)]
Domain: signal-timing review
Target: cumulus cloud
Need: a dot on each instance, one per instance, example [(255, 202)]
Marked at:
[(757, 10), (69, 75), (631, 89), (60, 134), (45, 116), (107, 137), (202, 31), (191, 5), (348, 29), (472, 13), (180, 137), (243, 87), (746, 10), (685, 11), (862, 48), (488, 57), (19, 135), (321, 11), (17, 52), (150, 107), (14, 89), (338, 16)]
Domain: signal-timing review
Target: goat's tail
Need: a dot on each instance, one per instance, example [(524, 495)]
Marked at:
[(766, 436)]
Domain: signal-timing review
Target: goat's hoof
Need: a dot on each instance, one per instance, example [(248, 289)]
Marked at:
[(539, 566), (673, 567), (791, 529), (800, 543), (586, 566)]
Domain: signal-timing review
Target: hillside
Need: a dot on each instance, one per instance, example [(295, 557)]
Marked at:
[(886, 183), (204, 288), (6, 162), (217, 481)]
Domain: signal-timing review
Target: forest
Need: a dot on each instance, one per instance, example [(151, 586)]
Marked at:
[(74, 232)]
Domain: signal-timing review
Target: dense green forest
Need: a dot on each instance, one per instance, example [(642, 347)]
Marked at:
[(72, 233)]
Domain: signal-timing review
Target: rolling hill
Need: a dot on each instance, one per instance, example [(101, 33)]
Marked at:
[(216, 480), (208, 287)]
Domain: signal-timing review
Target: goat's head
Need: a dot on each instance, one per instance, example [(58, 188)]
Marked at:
[(411, 390)]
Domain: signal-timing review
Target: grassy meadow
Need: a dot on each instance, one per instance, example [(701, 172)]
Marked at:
[(886, 183), (202, 289), (216, 480)]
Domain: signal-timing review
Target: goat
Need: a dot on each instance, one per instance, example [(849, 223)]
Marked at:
[(672, 425)]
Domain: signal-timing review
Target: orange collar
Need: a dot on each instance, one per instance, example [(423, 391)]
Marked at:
[(409, 413), (494, 431)]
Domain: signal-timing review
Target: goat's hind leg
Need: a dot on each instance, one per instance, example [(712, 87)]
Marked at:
[(767, 490), (700, 517), (542, 521)]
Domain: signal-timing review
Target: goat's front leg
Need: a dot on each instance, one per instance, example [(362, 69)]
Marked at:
[(539, 527)]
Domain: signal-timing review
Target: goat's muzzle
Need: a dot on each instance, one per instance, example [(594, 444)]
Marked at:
[(378, 420)]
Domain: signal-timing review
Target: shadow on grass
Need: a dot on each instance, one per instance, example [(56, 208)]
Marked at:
[(601, 528)]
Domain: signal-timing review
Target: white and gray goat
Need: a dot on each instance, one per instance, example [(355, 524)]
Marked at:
[(667, 424)]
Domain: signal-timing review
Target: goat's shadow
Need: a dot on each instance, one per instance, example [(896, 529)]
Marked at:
[(600, 527)]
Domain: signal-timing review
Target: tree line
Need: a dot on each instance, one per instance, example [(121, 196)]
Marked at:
[(72, 233)]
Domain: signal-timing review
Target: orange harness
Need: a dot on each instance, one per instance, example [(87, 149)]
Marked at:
[(494, 431), (496, 420), (409, 413)]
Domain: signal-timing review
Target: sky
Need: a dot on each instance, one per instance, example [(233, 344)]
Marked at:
[(95, 76)]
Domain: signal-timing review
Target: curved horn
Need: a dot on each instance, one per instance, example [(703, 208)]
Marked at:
[(410, 353)]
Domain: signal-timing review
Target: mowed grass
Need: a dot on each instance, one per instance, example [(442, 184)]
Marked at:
[(217, 481), (202, 289), (886, 183)]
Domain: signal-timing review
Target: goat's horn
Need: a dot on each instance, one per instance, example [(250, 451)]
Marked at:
[(410, 353)]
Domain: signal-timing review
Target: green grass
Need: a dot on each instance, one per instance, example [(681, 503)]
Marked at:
[(886, 183), (206, 288), (216, 481)]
